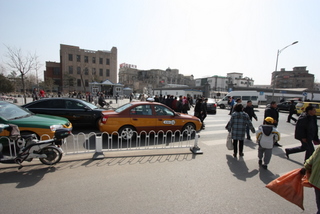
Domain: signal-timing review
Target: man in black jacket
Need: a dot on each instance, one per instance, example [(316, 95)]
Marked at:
[(272, 111), (250, 111), (306, 131), (292, 110)]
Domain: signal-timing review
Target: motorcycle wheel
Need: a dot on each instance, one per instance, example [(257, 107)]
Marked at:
[(53, 155)]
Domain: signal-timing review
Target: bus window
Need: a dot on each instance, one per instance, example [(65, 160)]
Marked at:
[(245, 97), (254, 97)]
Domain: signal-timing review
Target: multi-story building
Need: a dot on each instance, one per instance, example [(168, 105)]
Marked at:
[(79, 67), (221, 83), (143, 81), (299, 77)]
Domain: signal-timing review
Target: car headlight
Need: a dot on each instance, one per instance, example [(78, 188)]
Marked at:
[(55, 127)]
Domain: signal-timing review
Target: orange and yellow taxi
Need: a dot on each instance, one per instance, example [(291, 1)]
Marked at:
[(146, 116)]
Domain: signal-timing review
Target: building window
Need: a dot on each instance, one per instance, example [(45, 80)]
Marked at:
[(107, 72), (79, 82), (93, 71), (78, 70), (101, 61), (86, 71), (86, 83), (94, 60), (70, 57), (108, 61), (70, 69), (70, 82), (56, 71), (78, 58), (100, 72), (86, 59)]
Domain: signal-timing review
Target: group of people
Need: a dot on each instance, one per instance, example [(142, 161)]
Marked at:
[(306, 131), (38, 94), (183, 104)]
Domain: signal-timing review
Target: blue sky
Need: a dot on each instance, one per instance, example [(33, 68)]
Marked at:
[(203, 38)]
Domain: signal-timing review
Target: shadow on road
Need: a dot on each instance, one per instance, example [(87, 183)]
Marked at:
[(25, 178), (127, 160), (239, 168)]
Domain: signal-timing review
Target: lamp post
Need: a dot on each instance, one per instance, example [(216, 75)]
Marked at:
[(278, 53)]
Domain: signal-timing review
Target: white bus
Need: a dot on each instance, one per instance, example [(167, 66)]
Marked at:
[(243, 95)]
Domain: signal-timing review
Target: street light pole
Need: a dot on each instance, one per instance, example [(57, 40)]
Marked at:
[(278, 53)]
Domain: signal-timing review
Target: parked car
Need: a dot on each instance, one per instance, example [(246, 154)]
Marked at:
[(78, 112), (146, 116), (29, 123), (211, 106), (285, 106), (301, 107)]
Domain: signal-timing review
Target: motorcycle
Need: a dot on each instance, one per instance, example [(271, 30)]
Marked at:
[(29, 147)]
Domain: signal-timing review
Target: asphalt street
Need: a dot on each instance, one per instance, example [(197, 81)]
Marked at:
[(158, 181)]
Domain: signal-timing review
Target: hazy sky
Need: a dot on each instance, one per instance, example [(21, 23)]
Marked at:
[(203, 38)]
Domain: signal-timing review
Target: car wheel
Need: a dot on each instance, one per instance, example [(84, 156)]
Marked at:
[(189, 128), (222, 106), (127, 132)]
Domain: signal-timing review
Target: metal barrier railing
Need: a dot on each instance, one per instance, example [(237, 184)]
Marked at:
[(105, 142)]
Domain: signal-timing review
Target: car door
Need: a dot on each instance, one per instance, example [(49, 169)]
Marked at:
[(48, 106), (166, 119), (142, 118), (78, 113)]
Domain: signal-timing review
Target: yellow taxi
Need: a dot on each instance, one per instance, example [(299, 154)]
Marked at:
[(301, 107), (136, 117)]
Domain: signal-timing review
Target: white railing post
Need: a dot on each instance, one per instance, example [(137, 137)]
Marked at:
[(196, 149), (98, 154)]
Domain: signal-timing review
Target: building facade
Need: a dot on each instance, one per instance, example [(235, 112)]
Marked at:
[(299, 77), (143, 81), (223, 83), (79, 67)]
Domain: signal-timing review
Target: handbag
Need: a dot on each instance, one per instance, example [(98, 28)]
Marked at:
[(229, 142)]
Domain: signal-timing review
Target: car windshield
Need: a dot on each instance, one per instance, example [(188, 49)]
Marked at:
[(10, 111), (90, 105), (123, 107)]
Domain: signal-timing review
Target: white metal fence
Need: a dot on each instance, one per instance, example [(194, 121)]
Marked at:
[(98, 144)]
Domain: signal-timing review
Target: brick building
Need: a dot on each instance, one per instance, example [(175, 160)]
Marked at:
[(79, 67)]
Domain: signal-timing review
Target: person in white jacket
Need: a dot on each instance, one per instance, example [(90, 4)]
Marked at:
[(266, 135)]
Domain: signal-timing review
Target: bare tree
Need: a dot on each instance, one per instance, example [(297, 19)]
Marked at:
[(20, 63)]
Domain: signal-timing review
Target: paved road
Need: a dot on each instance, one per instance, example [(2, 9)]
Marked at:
[(170, 181)]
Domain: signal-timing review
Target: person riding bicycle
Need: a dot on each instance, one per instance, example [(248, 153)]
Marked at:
[(102, 101)]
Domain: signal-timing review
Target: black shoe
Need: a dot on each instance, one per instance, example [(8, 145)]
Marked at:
[(260, 162), (287, 154), (265, 166), (241, 154), (277, 144), (235, 155)]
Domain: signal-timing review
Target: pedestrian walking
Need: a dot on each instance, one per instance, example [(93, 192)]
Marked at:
[(35, 94), (237, 126), (266, 135), (231, 103), (250, 111), (306, 131), (272, 111), (292, 110), (204, 111), (312, 166), (198, 109)]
